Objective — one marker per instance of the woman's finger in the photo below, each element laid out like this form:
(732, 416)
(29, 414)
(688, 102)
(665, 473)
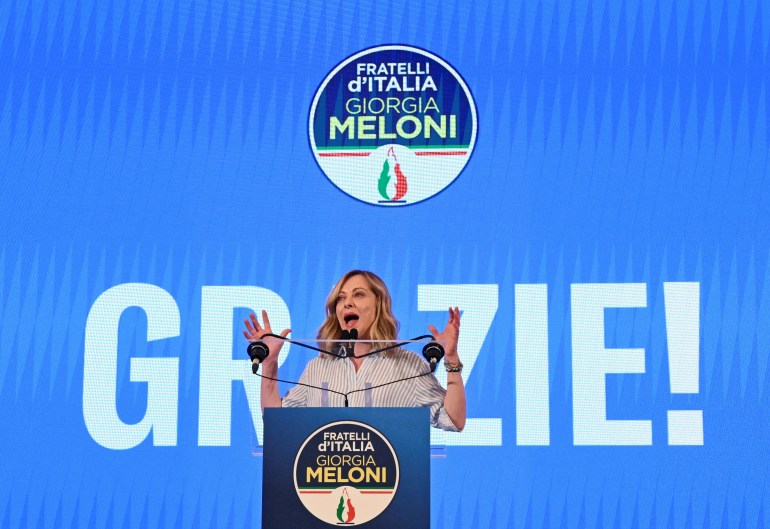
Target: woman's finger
(266, 319)
(254, 321)
(433, 331)
(248, 326)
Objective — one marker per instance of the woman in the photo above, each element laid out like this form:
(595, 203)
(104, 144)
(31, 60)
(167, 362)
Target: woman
(360, 300)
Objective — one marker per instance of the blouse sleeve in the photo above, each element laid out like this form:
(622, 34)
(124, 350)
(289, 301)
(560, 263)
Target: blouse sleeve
(297, 396)
(429, 393)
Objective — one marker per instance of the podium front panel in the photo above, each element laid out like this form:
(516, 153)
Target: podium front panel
(346, 466)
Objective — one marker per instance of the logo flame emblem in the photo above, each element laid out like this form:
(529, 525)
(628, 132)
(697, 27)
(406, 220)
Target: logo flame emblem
(382, 184)
(351, 511)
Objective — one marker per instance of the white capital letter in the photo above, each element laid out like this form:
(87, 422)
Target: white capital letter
(218, 369)
(478, 304)
(591, 361)
(532, 399)
(100, 368)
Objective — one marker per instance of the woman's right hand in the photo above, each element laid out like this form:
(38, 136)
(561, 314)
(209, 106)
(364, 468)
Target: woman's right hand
(254, 332)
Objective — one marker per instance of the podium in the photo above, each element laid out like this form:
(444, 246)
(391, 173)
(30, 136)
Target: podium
(326, 467)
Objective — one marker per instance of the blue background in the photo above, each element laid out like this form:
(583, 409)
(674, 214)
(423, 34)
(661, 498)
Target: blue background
(166, 143)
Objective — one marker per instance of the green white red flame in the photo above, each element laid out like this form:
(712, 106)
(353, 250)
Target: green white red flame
(382, 183)
(351, 511)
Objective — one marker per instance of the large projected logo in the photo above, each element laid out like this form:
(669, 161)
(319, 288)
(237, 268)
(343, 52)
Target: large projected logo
(346, 473)
(393, 125)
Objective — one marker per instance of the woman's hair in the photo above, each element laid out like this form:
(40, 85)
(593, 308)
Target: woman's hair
(385, 326)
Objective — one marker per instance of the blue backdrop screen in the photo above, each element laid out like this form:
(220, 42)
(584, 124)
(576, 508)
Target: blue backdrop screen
(600, 228)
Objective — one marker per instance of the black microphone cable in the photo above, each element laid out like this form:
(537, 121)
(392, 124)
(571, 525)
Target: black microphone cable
(337, 355)
(396, 345)
(301, 344)
(432, 352)
(307, 386)
(259, 351)
(385, 384)
(345, 395)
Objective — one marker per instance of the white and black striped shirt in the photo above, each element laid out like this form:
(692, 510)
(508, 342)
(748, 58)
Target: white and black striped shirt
(339, 374)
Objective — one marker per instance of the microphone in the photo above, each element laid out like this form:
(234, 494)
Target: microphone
(351, 344)
(257, 351)
(433, 352)
(339, 349)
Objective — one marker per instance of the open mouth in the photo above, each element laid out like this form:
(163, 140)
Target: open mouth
(351, 319)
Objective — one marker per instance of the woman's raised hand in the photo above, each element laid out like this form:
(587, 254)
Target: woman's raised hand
(255, 332)
(449, 335)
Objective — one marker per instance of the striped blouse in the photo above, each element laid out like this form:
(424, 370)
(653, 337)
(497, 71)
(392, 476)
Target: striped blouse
(339, 374)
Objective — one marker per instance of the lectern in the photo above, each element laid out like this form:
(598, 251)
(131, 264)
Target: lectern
(346, 466)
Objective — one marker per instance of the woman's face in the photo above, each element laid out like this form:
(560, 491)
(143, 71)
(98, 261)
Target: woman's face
(356, 306)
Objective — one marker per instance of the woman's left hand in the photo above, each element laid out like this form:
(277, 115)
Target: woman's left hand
(449, 336)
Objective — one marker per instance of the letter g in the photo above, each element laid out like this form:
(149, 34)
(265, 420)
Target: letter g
(100, 368)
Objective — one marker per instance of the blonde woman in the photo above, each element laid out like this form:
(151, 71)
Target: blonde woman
(360, 300)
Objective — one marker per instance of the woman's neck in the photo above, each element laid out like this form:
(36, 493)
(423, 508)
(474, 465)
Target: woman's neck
(362, 348)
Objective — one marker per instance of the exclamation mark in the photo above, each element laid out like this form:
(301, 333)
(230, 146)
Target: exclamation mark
(682, 301)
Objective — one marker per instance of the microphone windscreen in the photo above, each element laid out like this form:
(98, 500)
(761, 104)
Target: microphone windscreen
(345, 335)
(258, 351)
(353, 334)
(433, 352)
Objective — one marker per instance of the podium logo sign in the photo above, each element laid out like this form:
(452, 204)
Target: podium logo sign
(393, 125)
(346, 473)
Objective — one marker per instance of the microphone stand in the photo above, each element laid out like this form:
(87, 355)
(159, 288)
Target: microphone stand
(345, 395)
(306, 346)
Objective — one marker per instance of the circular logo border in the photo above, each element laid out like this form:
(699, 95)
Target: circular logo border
(357, 423)
(405, 47)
